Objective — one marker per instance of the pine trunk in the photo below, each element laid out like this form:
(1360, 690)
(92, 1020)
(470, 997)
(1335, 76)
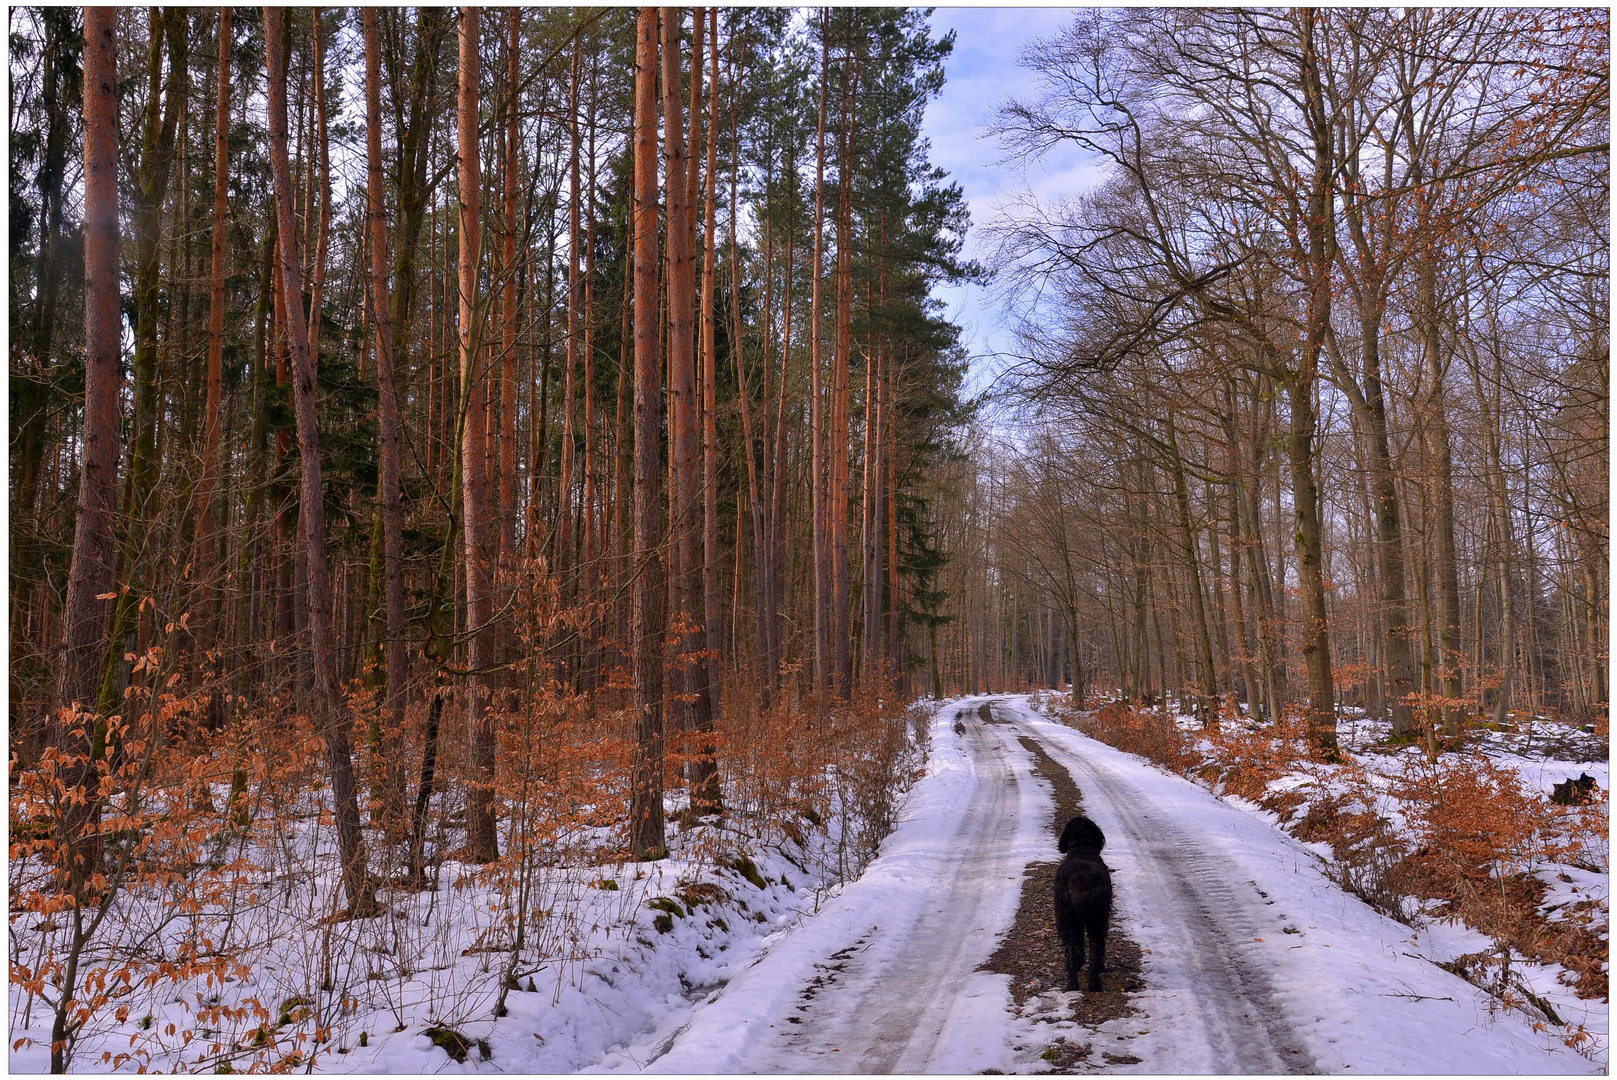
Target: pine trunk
(206, 538)
(646, 834)
(91, 575)
(819, 474)
(508, 299)
(482, 844)
(563, 560)
(390, 424)
(690, 673)
(705, 790)
(841, 629)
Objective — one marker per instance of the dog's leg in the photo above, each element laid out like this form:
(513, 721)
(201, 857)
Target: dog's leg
(1075, 957)
(1097, 954)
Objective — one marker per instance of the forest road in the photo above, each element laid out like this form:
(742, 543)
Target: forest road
(898, 990)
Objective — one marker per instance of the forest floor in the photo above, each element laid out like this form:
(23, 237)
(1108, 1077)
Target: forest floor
(1234, 950)
(612, 950)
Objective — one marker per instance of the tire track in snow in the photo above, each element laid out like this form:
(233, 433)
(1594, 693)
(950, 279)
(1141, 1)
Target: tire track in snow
(1192, 918)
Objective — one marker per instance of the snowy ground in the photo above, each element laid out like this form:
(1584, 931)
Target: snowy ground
(625, 962)
(1314, 967)
(1255, 961)
(883, 978)
(1567, 855)
(622, 948)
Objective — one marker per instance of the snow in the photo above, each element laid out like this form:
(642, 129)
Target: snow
(1354, 990)
(611, 973)
(1255, 959)
(627, 975)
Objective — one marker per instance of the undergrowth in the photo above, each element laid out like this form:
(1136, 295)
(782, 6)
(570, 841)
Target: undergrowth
(214, 933)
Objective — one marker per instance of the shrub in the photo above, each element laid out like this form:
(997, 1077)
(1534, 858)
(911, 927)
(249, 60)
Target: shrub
(1148, 733)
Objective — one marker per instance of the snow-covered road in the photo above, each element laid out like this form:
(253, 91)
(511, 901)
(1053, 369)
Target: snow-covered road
(1254, 961)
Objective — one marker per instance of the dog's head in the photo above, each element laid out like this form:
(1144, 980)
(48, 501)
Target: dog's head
(1081, 834)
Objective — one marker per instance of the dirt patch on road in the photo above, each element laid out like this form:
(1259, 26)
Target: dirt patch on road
(1031, 953)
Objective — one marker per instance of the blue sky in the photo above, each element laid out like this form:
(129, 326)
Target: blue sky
(983, 73)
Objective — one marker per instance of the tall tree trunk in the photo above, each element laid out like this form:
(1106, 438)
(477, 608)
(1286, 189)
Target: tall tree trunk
(415, 122)
(563, 560)
(1220, 613)
(541, 434)
(841, 400)
(1249, 509)
(1370, 407)
(482, 844)
(895, 604)
(397, 658)
(768, 643)
(622, 466)
(775, 602)
(1314, 631)
(1207, 692)
(1440, 453)
(91, 575)
(1139, 681)
(684, 407)
(312, 515)
(255, 552)
(819, 473)
(592, 576)
(206, 540)
(322, 167)
(1243, 642)
(705, 789)
(646, 836)
(508, 300)
(164, 106)
(869, 521)
(319, 186)
(1499, 495)
(1394, 591)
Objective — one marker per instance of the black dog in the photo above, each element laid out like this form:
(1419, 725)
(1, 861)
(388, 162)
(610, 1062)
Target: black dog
(1579, 792)
(1083, 898)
